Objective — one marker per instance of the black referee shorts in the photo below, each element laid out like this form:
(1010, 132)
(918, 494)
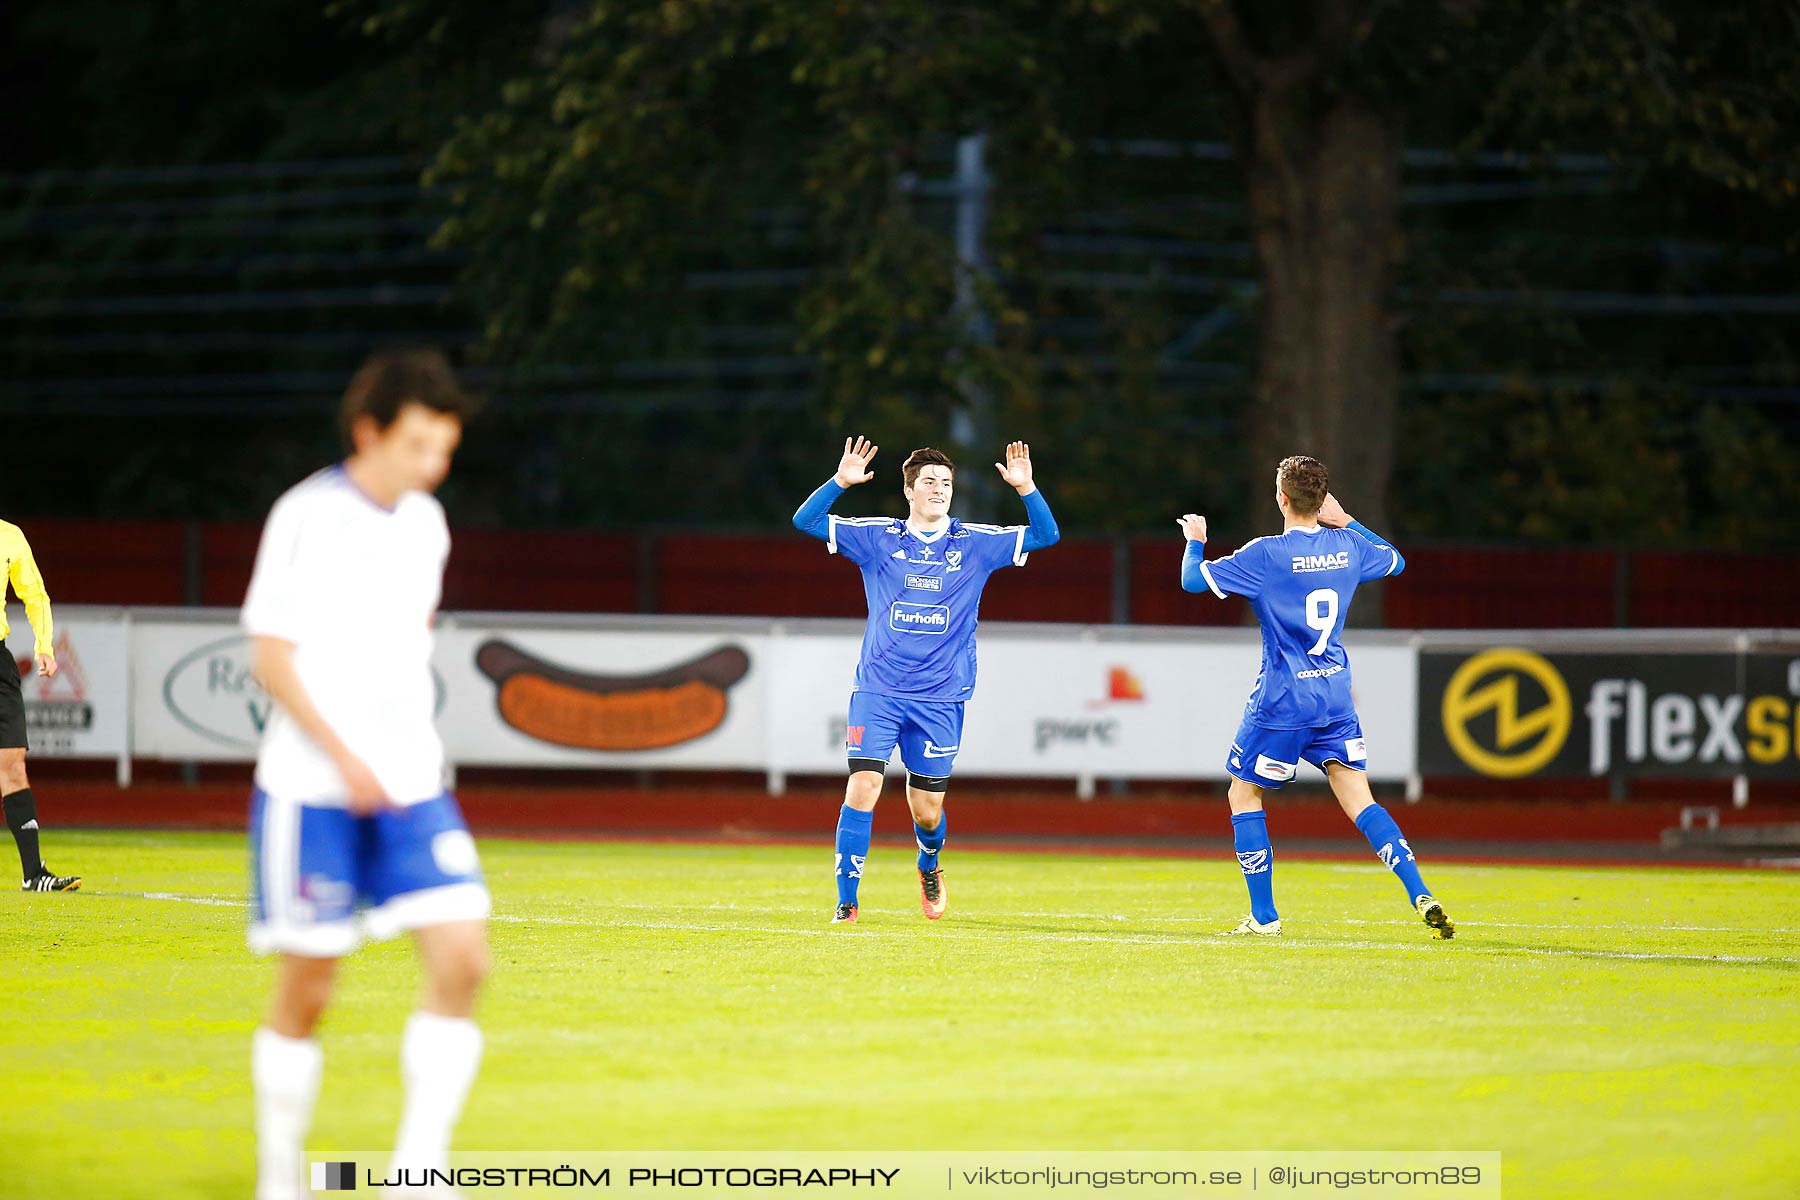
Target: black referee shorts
(12, 706)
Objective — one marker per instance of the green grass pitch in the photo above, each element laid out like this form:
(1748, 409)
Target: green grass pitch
(1613, 1032)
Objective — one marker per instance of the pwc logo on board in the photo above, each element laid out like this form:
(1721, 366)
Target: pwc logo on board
(1122, 686)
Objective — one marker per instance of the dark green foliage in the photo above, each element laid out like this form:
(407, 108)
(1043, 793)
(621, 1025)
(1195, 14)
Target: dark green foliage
(699, 241)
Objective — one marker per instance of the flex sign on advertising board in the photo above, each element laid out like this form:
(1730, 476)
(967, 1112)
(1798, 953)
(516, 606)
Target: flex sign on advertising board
(1508, 712)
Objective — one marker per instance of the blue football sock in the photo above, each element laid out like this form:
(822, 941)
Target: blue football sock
(1391, 848)
(852, 850)
(931, 841)
(1250, 832)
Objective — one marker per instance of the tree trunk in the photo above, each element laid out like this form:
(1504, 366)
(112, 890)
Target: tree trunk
(1324, 194)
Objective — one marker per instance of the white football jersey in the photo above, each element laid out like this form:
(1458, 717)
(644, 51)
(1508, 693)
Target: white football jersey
(355, 587)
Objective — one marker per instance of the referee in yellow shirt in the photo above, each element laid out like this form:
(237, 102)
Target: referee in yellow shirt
(15, 789)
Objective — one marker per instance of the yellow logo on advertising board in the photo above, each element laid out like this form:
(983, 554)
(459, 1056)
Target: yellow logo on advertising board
(1523, 742)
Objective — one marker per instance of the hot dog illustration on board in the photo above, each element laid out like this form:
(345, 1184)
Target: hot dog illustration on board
(588, 711)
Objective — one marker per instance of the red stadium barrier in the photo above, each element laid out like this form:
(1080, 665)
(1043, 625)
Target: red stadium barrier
(1723, 591)
(754, 576)
(500, 570)
(227, 555)
(111, 562)
(1156, 595)
(1491, 588)
(1445, 587)
(1071, 582)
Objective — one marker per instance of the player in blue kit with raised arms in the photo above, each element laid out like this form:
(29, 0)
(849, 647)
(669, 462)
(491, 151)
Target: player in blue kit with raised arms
(1300, 584)
(923, 577)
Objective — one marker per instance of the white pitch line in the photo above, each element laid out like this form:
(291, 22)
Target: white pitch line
(215, 901)
(1045, 936)
(1587, 870)
(227, 902)
(1396, 923)
(1128, 939)
(1590, 925)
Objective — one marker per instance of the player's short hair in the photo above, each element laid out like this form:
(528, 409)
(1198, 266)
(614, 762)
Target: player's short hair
(391, 379)
(921, 458)
(1305, 482)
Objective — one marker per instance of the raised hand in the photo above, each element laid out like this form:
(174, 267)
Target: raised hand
(853, 468)
(1332, 514)
(1016, 470)
(1193, 527)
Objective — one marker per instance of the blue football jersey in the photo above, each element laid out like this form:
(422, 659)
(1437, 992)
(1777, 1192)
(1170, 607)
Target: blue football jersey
(1300, 583)
(924, 600)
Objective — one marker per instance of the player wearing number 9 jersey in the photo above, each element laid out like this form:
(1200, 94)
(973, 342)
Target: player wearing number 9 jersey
(1300, 584)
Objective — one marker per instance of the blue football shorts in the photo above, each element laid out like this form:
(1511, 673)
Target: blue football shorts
(1271, 758)
(321, 879)
(928, 732)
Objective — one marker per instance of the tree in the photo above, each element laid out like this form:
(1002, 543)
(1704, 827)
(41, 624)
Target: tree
(579, 191)
(1326, 91)
(1321, 163)
(723, 222)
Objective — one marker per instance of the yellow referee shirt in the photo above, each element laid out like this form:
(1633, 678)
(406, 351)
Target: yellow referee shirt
(27, 585)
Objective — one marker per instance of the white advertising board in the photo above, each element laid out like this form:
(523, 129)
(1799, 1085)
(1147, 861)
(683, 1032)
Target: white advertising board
(1051, 701)
(1070, 701)
(518, 694)
(82, 711)
(193, 697)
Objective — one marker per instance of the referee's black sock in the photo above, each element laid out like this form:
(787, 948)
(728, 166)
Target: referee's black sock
(21, 818)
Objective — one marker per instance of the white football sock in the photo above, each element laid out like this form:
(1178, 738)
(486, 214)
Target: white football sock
(438, 1060)
(285, 1074)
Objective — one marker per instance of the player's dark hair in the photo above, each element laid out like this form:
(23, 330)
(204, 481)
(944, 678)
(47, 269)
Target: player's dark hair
(391, 379)
(1305, 482)
(921, 458)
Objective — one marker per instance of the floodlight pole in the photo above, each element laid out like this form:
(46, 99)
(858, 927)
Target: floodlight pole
(972, 423)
